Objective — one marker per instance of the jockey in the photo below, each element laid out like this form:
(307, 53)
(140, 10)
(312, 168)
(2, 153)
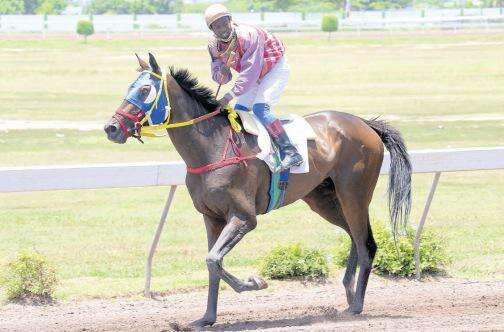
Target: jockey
(259, 58)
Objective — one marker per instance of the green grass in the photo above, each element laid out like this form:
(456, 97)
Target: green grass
(445, 74)
(98, 239)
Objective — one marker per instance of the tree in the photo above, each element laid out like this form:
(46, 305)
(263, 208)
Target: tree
(283, 5)
(329, 24)
(11, 7)
(30, 6)
(85, 28)
(135, 6)
(52, 7)
(110, 6)
(143, 6)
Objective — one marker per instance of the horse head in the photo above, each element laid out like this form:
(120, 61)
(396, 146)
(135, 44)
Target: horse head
(145, 104)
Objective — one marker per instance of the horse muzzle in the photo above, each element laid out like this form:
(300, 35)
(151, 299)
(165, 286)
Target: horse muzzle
(114, 133)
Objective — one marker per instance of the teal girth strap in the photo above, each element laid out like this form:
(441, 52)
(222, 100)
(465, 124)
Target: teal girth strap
(278, 185)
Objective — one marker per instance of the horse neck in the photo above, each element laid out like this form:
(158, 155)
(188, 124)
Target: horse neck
(201, 143)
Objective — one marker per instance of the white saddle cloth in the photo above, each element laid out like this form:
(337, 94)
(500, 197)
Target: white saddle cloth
(297, 128)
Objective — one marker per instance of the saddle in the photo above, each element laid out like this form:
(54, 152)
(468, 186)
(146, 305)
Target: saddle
(299, 131)
(251, 125)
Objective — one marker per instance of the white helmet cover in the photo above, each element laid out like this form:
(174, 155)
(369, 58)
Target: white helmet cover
(214, 12)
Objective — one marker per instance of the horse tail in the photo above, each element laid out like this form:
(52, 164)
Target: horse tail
(399, 188)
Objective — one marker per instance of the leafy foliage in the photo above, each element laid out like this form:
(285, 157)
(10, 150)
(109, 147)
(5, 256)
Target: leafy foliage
(329, 23)
(400, 262)
(135, 6)
(30, 6)
(294, 261)
(85, 28)
(52, 7)
(30, 277)
(11, 7)
(178, 6)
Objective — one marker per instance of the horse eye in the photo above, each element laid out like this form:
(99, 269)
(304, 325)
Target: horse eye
(144, 90)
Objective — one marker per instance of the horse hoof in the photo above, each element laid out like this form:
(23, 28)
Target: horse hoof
(203, 322)
(353, 310)
(260, 283)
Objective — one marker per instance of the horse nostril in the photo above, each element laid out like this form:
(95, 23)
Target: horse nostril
(109, 129)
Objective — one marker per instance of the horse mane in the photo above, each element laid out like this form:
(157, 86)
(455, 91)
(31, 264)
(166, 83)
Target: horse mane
(202, 94)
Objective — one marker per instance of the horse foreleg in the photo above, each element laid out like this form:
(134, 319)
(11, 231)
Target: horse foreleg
(214, 228)
(233, 232)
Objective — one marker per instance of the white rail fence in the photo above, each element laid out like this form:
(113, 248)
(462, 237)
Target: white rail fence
(41, 178)
(283, 21)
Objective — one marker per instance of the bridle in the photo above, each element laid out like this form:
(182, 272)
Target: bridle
(140, 119)
(136, 119)
(145, 115)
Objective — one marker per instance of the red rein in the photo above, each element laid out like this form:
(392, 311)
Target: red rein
(238, 158)
(135, 118)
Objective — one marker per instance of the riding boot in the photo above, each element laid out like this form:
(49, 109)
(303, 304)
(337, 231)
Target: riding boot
(288, 152)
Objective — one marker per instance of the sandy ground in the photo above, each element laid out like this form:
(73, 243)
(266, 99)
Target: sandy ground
(443, 304)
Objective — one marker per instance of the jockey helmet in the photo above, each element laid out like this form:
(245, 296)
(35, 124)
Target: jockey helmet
(214, 12)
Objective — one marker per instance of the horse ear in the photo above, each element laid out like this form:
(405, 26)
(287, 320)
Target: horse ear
(154, 65)
(143, 65)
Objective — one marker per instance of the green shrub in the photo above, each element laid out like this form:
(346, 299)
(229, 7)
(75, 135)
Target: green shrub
(341, 250)
(400, 261)
(85, 28)
(330, 23)
(294, 261)
(30, 277)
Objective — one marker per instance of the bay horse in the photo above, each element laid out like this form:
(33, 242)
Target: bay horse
(344, 164)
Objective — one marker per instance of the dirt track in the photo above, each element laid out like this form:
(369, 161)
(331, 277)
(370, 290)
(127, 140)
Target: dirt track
(406, 305)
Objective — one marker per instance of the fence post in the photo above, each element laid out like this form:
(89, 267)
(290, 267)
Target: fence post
(46, 26)
(159, 230)
(135, 24)
(422, 222)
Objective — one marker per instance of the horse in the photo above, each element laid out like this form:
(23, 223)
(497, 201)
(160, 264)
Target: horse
(231, 187)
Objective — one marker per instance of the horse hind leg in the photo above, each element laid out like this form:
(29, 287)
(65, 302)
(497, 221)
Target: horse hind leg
(323, 201)
(355, 209)
(349, 278)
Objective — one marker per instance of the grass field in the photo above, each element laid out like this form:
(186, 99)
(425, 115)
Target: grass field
(440, 89)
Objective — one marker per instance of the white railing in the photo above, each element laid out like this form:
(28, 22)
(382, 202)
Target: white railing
(280, 21)
(23, 179)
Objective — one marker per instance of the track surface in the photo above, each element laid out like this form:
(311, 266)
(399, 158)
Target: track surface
(390, 304)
